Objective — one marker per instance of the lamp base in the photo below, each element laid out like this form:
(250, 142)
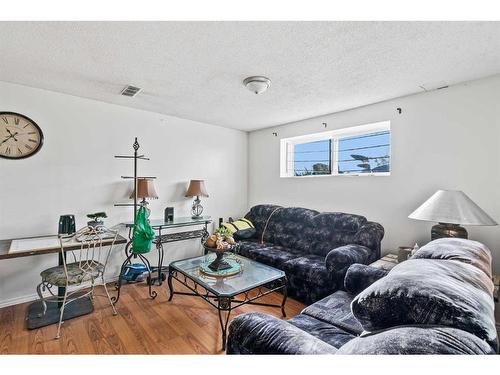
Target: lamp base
(197, 209)
(445, 230)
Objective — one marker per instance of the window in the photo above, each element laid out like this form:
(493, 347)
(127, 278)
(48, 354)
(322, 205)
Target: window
(359, 150)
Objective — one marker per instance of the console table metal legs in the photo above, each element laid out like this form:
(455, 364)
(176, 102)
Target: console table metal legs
(145, 261)
(225, 304)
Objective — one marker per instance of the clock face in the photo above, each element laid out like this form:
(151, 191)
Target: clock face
(20, 137)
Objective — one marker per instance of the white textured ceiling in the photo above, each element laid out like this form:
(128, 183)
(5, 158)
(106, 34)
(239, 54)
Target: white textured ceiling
(194, 70)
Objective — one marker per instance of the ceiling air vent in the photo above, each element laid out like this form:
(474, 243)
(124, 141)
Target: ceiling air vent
(131, 91)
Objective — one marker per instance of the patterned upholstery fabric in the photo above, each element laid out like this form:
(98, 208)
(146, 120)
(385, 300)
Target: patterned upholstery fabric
(314, 249)
(311, 268)
(440, 304)
(56, 275)
(326, 332)
(340, 259)
(336, 310)
(418, 340)
(459, 249)
(275, 256)
(360, 276)
(440, 292)
(258, 333)
(307, 292)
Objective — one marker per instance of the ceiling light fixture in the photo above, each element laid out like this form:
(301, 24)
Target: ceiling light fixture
(257, 84)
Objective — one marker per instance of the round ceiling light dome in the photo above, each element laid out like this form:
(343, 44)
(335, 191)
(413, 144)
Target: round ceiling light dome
(257, 84)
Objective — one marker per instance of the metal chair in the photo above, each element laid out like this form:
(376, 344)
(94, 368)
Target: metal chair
(88, 266)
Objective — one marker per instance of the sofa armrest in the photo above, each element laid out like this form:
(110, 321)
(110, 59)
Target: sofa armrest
(370, 235)
(258, 333)
(359, 277)
(341, 258)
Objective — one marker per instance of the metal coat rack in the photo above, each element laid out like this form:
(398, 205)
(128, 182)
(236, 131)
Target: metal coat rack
(129, 254)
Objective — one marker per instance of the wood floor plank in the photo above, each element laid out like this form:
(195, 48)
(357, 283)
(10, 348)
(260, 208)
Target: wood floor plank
(186, 325)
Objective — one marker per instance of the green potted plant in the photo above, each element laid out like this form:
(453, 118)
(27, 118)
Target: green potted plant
(96, 216)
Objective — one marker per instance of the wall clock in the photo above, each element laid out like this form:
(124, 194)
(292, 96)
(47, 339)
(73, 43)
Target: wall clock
(20, 136)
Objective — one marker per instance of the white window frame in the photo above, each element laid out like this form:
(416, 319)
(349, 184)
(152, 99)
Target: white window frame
(287, 145)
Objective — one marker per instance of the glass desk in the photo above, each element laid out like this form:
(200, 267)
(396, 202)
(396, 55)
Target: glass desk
(221, 292)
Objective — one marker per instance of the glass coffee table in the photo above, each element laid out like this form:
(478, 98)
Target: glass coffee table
(254, 281)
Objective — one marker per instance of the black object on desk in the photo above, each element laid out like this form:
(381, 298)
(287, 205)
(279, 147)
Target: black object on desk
(77, 308)
(161, 238)
(67, 224)
(169, 214)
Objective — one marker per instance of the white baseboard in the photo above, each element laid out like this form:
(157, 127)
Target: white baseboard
(32, 297)
(18, 300)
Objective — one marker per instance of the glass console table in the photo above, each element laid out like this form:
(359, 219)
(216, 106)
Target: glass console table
(162, 237)
(221, 292)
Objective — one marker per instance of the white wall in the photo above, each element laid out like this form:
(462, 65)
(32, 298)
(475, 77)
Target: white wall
(75, 173)
(446, 139)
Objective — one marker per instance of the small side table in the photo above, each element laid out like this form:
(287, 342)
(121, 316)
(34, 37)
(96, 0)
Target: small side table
(387, 262)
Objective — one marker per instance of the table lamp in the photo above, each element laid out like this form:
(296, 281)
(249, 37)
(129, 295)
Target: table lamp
(450, 208)
(196, 189)
(145, 190)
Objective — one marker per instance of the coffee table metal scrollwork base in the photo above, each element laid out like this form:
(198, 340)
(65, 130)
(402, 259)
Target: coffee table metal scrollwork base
(223, 301)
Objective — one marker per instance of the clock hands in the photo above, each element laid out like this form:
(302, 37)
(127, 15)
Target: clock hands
(9, 137)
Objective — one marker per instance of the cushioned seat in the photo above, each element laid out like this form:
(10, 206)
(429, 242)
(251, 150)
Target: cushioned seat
(311, 268)
(56, 275)
(245, 247)
(326, 332)
(275, 256)
(336, 309)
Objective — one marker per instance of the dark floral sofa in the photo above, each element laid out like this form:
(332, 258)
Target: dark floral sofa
(314, 249)
(438, 302)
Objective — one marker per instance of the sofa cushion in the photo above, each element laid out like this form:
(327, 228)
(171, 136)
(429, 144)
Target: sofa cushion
(334, 229)
(311, 268)
(324, 331)
(292, 227)
(247, 246)
(336, 309)
(417, 340)
(426, 291)
(459, 249)
(258, 215)
(271, 255)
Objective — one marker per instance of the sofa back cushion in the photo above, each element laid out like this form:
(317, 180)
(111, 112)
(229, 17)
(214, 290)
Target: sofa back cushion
(334, 229)
(458, 249)
(292, 228)
(259, 215)
(311, 231)
(430, 292)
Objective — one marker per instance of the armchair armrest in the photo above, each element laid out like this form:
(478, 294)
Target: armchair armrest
(258, 333)
(341, 258)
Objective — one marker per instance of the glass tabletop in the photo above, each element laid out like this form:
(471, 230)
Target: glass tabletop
(252, 275)
(177, 222)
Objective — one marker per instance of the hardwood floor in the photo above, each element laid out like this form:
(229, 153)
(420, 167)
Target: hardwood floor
(186, 325)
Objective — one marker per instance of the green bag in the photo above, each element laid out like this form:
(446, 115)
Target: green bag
(143, 233)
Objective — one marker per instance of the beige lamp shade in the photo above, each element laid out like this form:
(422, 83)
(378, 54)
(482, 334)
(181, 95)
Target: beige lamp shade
(454, 207)
(145, 189)
(197, 189)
